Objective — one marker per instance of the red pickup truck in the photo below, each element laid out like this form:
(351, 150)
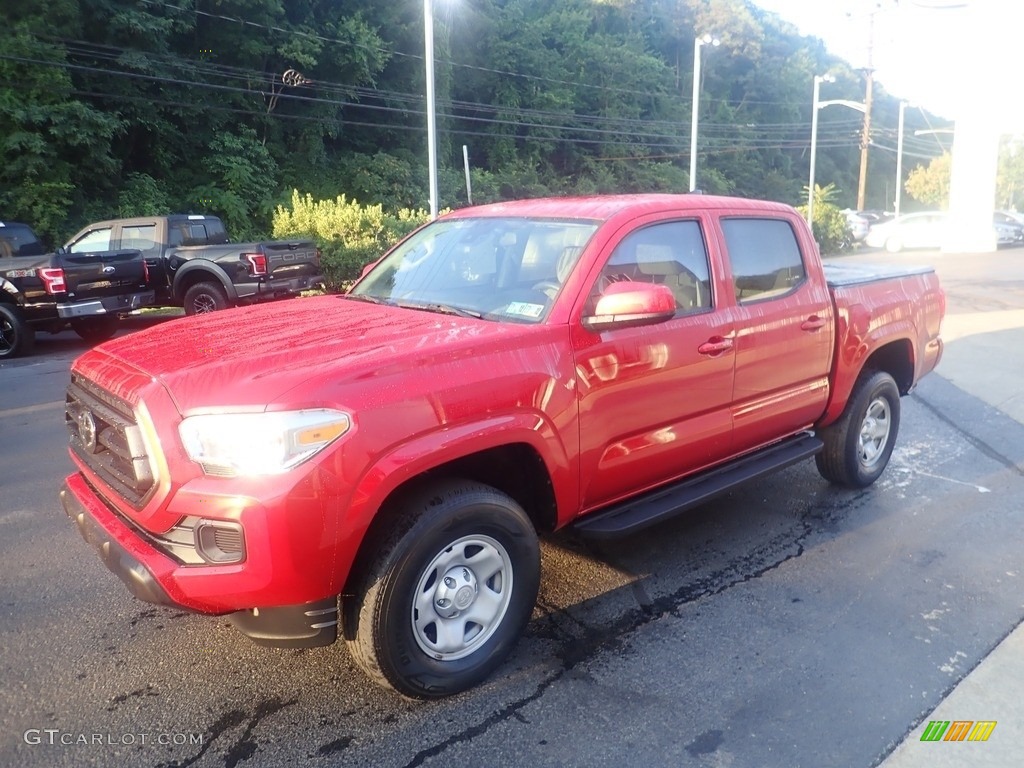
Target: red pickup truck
(385, 460)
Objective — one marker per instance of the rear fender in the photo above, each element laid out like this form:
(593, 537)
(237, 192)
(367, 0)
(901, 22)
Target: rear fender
(856, 342)
(187, 275)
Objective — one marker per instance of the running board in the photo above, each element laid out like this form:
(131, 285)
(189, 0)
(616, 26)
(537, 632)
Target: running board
(665, 502)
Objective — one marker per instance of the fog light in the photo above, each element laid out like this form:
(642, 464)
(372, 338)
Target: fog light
(220, 542)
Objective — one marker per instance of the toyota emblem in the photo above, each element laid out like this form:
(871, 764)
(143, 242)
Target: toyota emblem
(87, 431)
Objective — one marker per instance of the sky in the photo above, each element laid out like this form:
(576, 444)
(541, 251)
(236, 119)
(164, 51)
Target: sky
(948, 56)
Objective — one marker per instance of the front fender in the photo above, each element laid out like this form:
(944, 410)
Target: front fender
(428, 451)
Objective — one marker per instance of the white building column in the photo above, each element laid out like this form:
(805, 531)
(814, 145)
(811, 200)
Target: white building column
(973, 183)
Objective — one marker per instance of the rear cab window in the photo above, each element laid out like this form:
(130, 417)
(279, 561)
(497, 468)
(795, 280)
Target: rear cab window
(765, 258)
(197, 231)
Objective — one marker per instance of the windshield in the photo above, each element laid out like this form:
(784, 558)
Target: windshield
(497, 268)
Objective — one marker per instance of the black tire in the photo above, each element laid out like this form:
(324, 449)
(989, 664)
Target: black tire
(95, 329)
(859, 444)
(204, 297)
(16, 336)
(454, 547)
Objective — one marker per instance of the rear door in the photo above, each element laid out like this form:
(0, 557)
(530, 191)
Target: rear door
(93, 270)
(145, 236)
(784, 329)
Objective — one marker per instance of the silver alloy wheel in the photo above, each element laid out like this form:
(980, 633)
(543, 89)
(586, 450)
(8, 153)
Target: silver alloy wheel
(874, 432)
(461, 597)
(8, 336)
(203, 304)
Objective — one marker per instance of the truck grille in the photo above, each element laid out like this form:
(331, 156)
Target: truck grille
(105, 437)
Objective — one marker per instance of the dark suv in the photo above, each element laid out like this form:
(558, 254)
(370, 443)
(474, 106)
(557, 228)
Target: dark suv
(19, 240)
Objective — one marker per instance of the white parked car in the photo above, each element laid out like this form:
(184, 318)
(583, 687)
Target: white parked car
(914, 230)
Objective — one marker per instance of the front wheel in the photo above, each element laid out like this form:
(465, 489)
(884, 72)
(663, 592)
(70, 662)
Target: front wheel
(16, 336)
(448, 593)
(859, 444)
(95, 329)
(894, 245)
(204, 297)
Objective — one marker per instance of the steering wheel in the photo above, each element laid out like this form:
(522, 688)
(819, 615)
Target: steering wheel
(549, 288)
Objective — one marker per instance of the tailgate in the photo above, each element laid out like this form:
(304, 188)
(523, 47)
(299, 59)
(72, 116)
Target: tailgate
(108, 273)
(295, 259)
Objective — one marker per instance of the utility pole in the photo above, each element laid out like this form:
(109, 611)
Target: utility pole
(865, 138)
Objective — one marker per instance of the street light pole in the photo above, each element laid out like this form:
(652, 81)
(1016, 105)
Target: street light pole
(815, 106)
(899, 160)
(705, 40)
(428, 38)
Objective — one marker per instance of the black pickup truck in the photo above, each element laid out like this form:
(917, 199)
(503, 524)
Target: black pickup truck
(41, 291)
(193, 264)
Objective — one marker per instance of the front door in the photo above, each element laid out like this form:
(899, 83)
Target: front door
(654, 400)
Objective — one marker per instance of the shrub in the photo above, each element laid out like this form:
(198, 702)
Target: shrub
(830, 227)
(350, 235)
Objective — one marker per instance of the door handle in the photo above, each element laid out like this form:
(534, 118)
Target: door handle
(716, 345)
(812, 323)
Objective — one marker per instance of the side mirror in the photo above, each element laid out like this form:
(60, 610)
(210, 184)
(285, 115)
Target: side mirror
(61, 250)
(367, 268)
(629, 304)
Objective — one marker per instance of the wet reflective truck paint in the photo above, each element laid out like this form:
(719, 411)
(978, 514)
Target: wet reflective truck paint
(476, 406)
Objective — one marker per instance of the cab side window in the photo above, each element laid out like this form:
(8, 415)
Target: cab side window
(141, 237)
(672, 254)
(765, 258)
(93, 241)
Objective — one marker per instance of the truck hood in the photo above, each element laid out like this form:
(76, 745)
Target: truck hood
(250, 356)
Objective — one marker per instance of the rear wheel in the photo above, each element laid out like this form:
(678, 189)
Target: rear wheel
(894, 245)
(16, 336)
(204, 297)
(858, 446)
(95, 329)
(448, 592)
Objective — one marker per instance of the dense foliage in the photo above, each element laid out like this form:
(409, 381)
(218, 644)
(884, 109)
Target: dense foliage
(226, 106)
(350, 235)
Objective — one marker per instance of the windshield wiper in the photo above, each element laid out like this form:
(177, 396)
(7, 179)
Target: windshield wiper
(444, 309)
(364, 297)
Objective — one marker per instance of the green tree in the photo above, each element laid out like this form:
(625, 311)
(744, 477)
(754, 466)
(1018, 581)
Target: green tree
(929, 184)
(1010, 178)
(52, 143)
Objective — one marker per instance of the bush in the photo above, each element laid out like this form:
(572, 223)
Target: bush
(830, 227)
(350, 235)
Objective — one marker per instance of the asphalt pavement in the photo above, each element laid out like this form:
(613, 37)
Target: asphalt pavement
(788, 623)
(981, 722)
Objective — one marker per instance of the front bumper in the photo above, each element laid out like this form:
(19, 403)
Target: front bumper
(106, 305)
(157, 578)
(116, 545)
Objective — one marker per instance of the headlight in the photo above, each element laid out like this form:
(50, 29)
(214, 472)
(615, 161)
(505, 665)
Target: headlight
(260, 443)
